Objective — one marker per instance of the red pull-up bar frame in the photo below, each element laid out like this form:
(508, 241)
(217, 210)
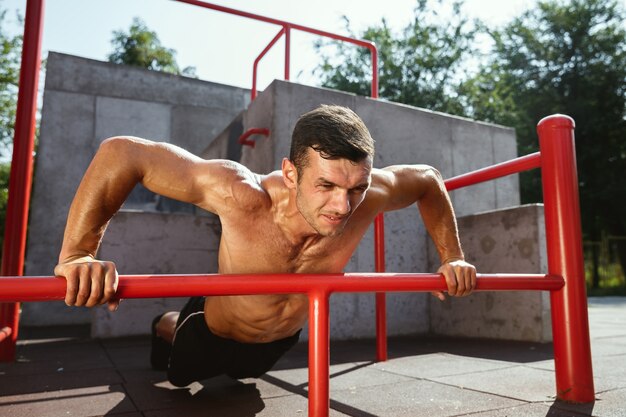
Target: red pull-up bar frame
(286, 28)
(572, 353)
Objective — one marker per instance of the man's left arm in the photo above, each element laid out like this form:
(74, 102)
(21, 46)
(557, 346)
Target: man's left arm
(422, 184)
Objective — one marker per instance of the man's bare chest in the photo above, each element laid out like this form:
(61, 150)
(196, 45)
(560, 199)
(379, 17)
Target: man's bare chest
(261, 246)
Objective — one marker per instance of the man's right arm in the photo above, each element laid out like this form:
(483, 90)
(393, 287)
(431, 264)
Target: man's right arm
(119, 165)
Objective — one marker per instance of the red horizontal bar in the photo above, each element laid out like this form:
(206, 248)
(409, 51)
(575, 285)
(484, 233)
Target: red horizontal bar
(283, 23)
(5, 332)
(523, 163)
(154, 286)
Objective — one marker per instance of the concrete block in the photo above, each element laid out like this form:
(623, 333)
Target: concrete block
(193, 127)
(260, 114)
(76, 74)
(63, 155)
(501, 241)
(504, 149)
(86, 101)
(154, 243)
(124, 117)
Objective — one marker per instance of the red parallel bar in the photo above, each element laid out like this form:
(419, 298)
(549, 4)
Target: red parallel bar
(365, 44)
(381, 299)
(156, 286)
(570, 323)
(523, 163)
(21, 168)
(319, 354)
(258, 59)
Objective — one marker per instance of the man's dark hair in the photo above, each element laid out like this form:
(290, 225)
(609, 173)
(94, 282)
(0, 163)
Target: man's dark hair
(333, 131)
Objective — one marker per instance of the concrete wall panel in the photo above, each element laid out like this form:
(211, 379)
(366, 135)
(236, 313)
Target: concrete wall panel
(154, 243)
(503, 241)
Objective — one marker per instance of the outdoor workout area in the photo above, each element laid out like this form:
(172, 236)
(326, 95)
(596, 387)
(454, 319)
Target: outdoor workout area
(259, 135)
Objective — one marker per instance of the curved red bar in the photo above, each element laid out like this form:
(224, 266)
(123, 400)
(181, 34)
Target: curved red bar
(243, 139)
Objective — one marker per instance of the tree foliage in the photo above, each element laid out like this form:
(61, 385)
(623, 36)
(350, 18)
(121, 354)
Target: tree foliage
(561, 56)
(141, 47)
(565, 57)
(10, 57)
(421, 66)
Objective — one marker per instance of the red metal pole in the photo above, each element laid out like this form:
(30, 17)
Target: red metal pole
(523, 163)
(258, 59)
(570, 323)
(381, 299)
(151, 286)
(21, 168)
(319, 354)
(374, 52)
(287, 50)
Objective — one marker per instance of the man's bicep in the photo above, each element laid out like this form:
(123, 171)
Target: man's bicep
(405, 184)
(175, 173)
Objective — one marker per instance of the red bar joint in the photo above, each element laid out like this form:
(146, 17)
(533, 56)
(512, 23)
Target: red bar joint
(243, 139)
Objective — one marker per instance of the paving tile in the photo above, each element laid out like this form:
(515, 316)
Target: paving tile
(38, 358)
(290, 406)
(91, 401)
(58, 381)
(520, 382)
(416, 398)
(438, 365)
(130, 357)
(526, 410)
(157, 393)
(342, 376)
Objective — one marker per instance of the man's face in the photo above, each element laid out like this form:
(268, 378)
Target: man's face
(329, 190)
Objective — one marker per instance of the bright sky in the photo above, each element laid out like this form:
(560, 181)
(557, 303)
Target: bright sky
(223, 47)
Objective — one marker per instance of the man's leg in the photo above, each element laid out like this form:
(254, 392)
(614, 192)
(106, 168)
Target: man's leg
(166, 326)
(163, 330)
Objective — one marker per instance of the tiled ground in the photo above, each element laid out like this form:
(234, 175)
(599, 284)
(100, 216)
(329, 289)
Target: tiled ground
(61, 372)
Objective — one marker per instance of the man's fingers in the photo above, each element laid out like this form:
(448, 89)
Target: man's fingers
(71, 278)
(439, 294)
(84, 285)
(460, 280)
(96, 270)
(110, 284)
(448, 273)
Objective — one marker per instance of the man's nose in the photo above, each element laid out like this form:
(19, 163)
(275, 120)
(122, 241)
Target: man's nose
(340, 203)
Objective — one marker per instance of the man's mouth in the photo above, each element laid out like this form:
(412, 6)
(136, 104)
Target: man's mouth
(334, 219)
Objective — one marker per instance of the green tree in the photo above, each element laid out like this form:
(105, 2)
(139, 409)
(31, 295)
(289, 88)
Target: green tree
(10, 57)
(565, 57)
(141, 47)
(421, 66)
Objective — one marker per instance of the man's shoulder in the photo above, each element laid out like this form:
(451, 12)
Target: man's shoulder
(252, 192)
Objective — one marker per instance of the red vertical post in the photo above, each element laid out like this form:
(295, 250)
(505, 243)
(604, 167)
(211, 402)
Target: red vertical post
(381, 300)
(287, 29)
(374, 52)
(21, 169)
(570, 323)
(319, 357)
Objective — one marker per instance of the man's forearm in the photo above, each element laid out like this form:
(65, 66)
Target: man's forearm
(103, 189)
(438, 216)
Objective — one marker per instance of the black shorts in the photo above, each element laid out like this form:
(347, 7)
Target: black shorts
(198, 354)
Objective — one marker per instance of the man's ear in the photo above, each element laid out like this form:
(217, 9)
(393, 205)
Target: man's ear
(290, 174)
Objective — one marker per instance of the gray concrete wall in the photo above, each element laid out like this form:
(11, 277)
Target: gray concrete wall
(503, 241)
(144, 243)
(403, 135)
(86, 101)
